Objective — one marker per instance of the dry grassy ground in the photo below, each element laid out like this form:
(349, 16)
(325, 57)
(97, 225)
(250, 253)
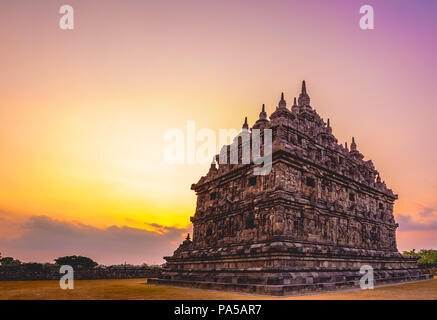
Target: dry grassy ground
(137, 289)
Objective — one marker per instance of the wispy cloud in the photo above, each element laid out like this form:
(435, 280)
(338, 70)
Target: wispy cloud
(428, 212)
(425, 220)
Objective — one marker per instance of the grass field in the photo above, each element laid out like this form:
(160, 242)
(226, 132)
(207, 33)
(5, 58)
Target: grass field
(138, 289)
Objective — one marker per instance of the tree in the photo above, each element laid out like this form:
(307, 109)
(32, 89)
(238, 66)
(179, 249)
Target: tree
(76, 262)
(411, 253)
(426, 257)
(9, 261)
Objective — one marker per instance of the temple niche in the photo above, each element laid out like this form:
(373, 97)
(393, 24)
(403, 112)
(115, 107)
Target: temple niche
(308, 225)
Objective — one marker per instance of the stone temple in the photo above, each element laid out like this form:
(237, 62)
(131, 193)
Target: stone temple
(309, 225)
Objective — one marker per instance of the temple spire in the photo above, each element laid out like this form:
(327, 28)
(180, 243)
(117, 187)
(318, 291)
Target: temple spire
(263, 114)
(262, 120)
(282, 103)
(328, 126)
(245, 125)
(304, 99)
(353, 144)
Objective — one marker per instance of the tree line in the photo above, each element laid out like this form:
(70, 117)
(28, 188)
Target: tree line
(77, 262)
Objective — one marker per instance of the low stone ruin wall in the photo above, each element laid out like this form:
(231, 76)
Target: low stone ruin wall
(430, 269)
(35, 271)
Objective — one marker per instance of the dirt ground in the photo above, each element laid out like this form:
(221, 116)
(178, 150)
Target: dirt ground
(137, 289)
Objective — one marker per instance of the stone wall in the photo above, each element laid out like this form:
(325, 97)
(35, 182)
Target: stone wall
(36, 271)
(284, 203)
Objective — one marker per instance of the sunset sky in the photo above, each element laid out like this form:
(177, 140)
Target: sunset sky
(83, 112)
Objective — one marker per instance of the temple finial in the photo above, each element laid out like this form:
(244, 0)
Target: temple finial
(245, 125)
(329, 124)
(263, 114)
(304, 99)
(262, 120)
(345, 145)
(353, 144)
(188, 236)
(294, 102)
(304, 87)
(282, 102)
